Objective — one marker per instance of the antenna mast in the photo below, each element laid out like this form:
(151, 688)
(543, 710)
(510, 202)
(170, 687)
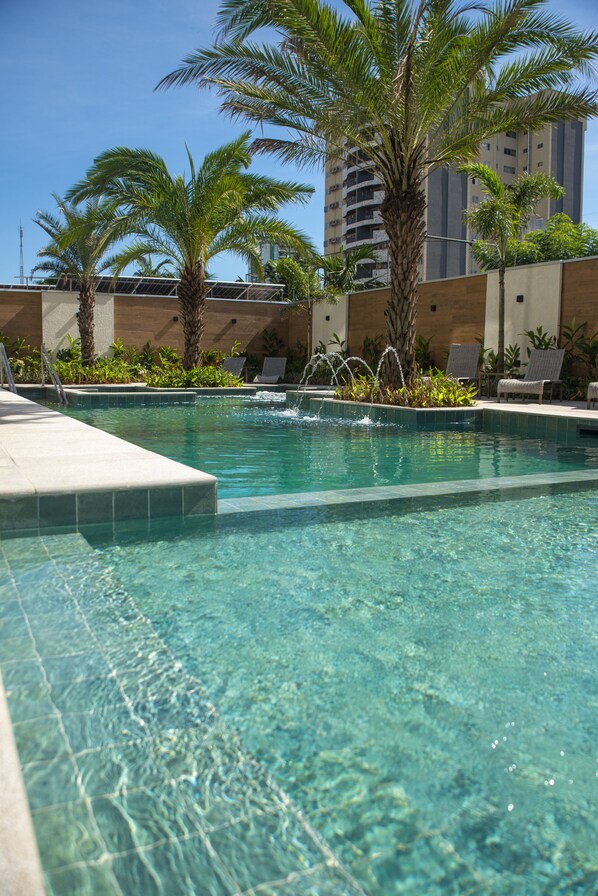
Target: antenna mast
(22, 268)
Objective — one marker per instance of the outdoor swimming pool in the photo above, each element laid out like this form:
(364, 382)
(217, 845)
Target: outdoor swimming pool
(259, 446)
(343, 701)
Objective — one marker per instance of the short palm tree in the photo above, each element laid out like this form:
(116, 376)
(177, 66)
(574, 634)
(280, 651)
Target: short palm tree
(500, 220)
(81, 238)
(340, 269)
(219, 207)
(412, 85)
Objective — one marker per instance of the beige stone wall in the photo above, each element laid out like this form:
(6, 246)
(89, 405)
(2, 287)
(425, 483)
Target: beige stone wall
(59, 320)
(540, 286)
(338, 313)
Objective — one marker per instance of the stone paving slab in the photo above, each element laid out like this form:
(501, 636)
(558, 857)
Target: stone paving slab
(91, 475)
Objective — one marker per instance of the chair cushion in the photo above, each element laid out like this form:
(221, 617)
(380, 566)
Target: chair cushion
(523, 387)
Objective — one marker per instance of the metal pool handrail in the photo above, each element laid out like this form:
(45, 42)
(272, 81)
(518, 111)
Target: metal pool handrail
(5, 370)
(48, 367)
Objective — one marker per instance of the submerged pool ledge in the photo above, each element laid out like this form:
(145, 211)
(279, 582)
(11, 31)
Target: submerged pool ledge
(418, 495)
(57, 471)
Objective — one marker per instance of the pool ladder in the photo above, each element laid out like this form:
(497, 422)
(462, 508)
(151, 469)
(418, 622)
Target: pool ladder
(5, 371)
(49, 369)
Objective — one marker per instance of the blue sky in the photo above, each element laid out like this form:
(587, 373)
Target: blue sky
(77, 78)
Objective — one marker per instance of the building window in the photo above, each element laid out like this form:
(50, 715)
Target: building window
(475, 200)
(485, 146)
(511, 134)
(508, 169)
(510, 152)
(540, 164)
(524, 168)
(525, 149)
(540, 145)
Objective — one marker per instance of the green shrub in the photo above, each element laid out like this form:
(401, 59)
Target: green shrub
(178, 378)
(436, 391)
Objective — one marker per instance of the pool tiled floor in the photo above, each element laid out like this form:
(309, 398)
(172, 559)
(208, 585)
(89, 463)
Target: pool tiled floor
(134, 783)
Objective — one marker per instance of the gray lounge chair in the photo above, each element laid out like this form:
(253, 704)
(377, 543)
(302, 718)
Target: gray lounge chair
(592, 394)
(463, 361)
(272, 371)
(234, 365)
(543, 369)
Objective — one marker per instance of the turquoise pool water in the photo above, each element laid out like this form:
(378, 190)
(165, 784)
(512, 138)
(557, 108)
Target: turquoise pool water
(261, 447)
(344, 701)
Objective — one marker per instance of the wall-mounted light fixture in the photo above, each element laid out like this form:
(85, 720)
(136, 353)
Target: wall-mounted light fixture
(520, 299)
(432, 307)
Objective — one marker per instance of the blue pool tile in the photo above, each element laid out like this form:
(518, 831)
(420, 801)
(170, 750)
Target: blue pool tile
(132, 504)
(264, 848)
(12, 649)
(78, 696)
(13, 626)
(84, 880)
(32, 702)
(22, 673)
(95, 507)
(39, 739)
(66, 835)
(110, 725)
(170, 864)
(19, 513)
(57, 510)
(75, 668)
(72, 640)
(51, 783)
(122, 767)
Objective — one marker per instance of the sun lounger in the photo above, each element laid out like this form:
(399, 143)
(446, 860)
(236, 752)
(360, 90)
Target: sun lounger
(543, 369)
(592, 394)
(463, 361)
(234, 365)
(272, 371)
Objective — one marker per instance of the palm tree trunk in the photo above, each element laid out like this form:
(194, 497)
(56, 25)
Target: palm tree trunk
(191, 294)
(85, 322)
(403, 213)
(500, 360)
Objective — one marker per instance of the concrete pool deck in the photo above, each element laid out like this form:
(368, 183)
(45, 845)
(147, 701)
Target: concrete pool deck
(56, 471)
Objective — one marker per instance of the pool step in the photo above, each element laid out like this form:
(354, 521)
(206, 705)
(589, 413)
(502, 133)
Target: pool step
(131, 774)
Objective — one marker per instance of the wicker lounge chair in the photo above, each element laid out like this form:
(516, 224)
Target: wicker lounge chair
(463, 361)
(543, 369)
(592, 394)
(272, 371)
(234, 365)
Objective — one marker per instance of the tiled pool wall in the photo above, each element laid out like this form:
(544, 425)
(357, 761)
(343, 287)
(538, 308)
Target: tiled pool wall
(78, 509)
(570, 429)
(123, 395)
(410, 419)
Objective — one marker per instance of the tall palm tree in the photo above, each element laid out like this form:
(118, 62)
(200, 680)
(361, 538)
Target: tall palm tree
(411, 85)
(219, 207)
(81, 238)
(500, 220)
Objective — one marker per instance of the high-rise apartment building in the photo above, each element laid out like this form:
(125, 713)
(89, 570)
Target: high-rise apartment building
(268, 252)
(353, 198)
